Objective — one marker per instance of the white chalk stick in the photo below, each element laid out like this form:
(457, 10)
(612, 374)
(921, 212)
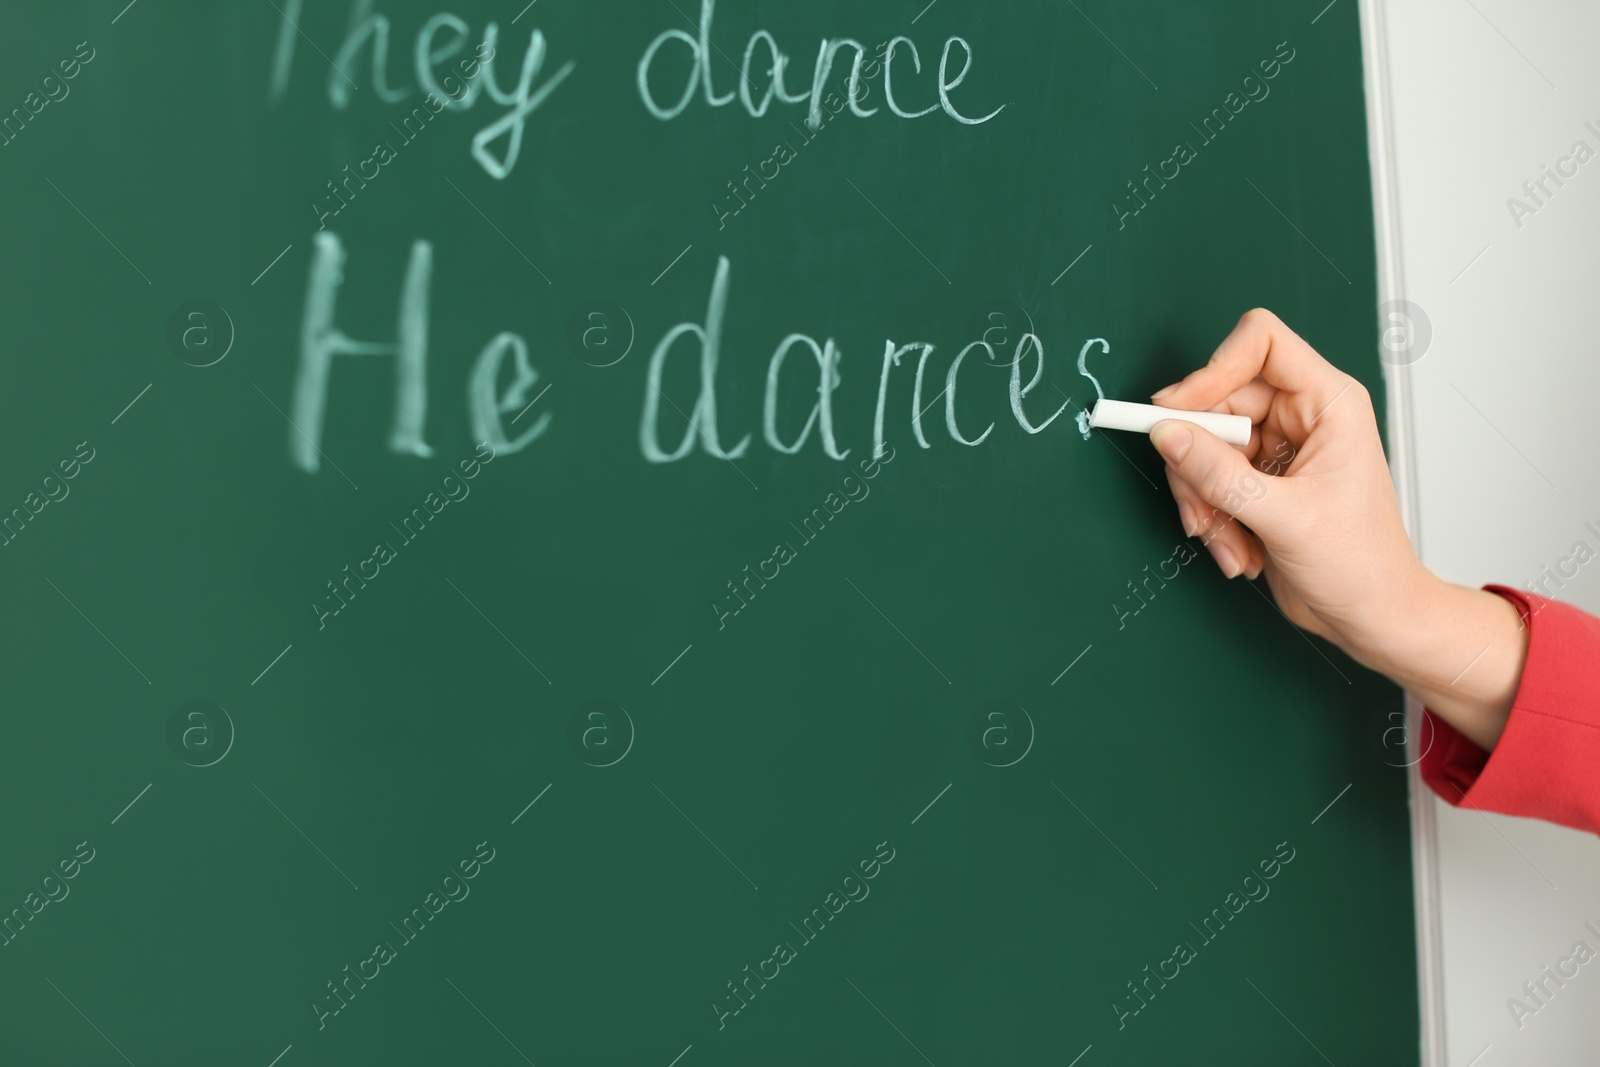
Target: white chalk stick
(1140, 418)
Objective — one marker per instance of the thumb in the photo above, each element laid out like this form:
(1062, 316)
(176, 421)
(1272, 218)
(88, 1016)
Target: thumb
(1219, 473)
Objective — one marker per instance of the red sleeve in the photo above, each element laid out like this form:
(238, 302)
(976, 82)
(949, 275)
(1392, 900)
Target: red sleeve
(1547, 762)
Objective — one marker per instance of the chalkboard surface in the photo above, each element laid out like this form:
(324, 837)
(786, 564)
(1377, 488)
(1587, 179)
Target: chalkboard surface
(525, 541)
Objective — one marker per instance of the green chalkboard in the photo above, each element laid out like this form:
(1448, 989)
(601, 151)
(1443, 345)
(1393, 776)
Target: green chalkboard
(497, 571)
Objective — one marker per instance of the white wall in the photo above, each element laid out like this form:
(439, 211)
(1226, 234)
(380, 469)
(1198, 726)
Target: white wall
(1496, 446)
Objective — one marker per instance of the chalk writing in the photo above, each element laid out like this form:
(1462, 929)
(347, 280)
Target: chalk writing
(507, 356)
(367, 27)
(486, 404)
(1083, 369)
(1018, 390)
(828, 355)
(703, 422)
(827, 380)
(699, 79)
(784, 153)
(321, 341)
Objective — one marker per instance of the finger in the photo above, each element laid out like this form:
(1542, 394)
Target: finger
(1217, 531)
(1235, 549)
(1276, 453)
(1253, 400)
(1191, 509)
(1221, 475)
(1259, 345)
(1258, 556)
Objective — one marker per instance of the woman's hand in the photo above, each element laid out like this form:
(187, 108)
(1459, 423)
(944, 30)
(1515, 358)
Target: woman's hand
(1309, 503)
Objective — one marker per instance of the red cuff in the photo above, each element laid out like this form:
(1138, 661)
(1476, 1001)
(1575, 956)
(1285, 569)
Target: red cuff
(1547, 762)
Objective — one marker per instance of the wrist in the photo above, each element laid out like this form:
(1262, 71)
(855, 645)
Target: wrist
(1400, 626)
(1459, 650)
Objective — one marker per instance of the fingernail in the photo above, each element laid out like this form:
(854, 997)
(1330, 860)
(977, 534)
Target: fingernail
(1172, 439)
(1186, 516)
(1163, 392)
(1225, 560)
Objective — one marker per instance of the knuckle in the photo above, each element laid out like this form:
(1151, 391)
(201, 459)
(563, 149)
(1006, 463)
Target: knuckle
(1214, 526)
(1259, 318)
(1213, 483)
(1356, 396)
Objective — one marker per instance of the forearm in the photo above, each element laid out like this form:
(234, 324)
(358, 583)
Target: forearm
(1460, 651)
